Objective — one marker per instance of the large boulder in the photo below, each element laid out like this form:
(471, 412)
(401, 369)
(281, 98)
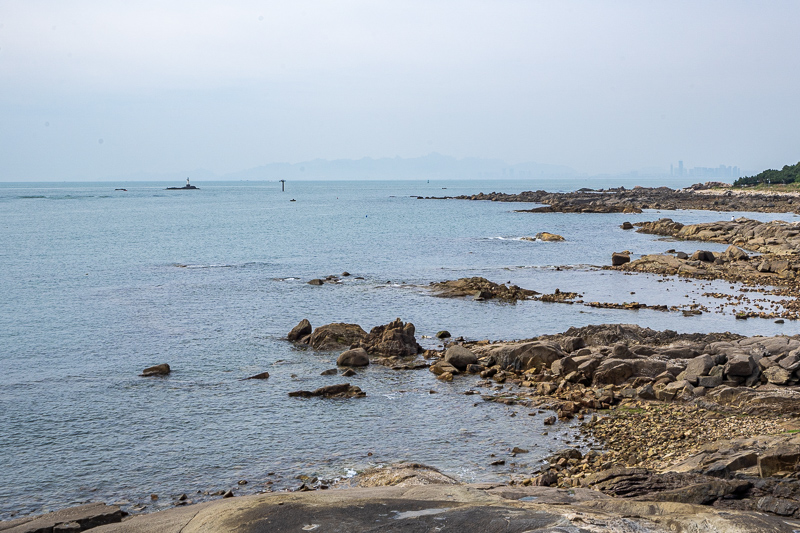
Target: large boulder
(739, 365)
(527, 355)
(699, 366)
(354, 357)
(336, 336)
(734, 253)
(613, 372)
(460, 357)
(395, 339)
(564, 366)
(300, 330)
(618, 259)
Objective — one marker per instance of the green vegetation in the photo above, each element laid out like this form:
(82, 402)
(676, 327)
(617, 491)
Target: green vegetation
(788, 174)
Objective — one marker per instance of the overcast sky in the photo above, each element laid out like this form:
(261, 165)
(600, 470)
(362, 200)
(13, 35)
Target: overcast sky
(92, 89)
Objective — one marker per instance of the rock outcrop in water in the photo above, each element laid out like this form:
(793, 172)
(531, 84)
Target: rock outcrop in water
(344, 390)
(157, 370)
(480, 289)
(329, 337)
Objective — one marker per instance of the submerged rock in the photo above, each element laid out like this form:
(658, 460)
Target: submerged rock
(344, 390)
(263, 375)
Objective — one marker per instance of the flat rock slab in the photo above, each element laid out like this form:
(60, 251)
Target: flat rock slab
(444, 508)
(86, 516)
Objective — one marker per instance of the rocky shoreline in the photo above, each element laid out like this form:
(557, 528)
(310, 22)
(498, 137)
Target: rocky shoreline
(677, 432)
(622, 200)
(695, 426)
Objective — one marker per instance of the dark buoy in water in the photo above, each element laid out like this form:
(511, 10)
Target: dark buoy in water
(292, 200)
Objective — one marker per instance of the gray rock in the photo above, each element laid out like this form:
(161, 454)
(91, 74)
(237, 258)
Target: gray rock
(263, 375)
(699, 366)
(613, 372)
(571, 344)
(709, 382)
(646, 392)
(563, 366)
(739, 364)
(460, 357)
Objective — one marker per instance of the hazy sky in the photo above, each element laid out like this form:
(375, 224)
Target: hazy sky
(91, 89)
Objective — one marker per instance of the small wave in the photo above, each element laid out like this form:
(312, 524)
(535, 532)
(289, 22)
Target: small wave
(523, 238)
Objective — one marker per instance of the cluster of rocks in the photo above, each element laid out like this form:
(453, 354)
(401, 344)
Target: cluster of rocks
(390, 344)
(480, 289)
(622, 200)
(690, 418)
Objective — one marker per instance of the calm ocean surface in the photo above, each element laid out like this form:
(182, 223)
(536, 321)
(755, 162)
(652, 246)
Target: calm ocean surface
(98, 284)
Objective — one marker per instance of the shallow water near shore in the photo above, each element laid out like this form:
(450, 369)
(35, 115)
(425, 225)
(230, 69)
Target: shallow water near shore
(99, 284)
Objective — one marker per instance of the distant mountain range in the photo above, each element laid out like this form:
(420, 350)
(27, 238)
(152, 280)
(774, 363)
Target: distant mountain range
(431, 166)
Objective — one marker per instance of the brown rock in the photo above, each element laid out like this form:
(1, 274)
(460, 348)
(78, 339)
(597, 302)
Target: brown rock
(300, 330)
(618, 259)
(158, 370)
(395, 339)
(336, 336)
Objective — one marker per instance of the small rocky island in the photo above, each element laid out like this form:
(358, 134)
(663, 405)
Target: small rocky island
(187, 187)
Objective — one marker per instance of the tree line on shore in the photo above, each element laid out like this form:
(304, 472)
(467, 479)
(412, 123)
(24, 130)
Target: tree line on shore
(788, 174)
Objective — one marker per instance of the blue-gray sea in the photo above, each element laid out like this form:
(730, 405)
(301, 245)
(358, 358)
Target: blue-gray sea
(98, 284)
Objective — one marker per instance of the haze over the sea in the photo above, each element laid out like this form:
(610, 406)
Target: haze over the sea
(147, 90)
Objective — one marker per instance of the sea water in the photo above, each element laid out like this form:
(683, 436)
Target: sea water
(98, 284)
